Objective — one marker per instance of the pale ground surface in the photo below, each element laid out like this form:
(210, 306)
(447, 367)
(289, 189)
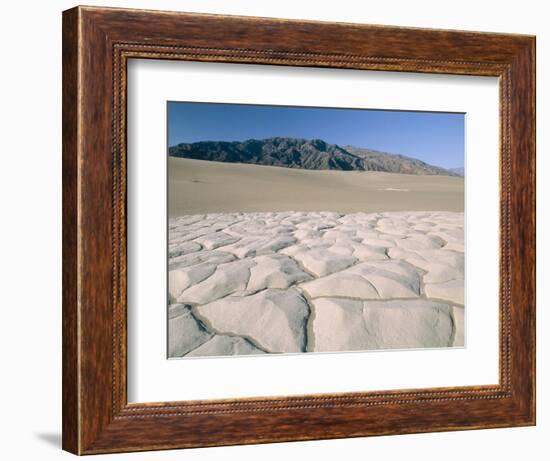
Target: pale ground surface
(289, 282)
(198, 186)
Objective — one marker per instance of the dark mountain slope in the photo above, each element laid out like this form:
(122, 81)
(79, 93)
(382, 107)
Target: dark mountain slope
(307, 154)
(396, 163)
(286, 152)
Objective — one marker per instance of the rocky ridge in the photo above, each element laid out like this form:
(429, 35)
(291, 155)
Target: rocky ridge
(310, 154)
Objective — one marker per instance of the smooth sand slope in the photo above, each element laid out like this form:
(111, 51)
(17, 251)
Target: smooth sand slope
(198, 186)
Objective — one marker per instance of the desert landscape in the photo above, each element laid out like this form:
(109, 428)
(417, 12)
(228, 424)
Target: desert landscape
(288, 282)
(198, 186)
(292, 245)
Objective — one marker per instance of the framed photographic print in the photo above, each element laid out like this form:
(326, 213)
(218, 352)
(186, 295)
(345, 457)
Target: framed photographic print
(284, 230)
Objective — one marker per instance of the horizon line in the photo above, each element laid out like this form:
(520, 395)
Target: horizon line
(342, 146)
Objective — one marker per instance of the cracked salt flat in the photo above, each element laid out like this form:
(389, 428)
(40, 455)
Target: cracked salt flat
(290, 282)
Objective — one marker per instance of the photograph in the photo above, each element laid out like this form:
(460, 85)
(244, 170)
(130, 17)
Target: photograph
(286, 227)
(305, 229)
(313, 229)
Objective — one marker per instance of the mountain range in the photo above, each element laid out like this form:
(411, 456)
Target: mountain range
(310, 154)
(459, 171)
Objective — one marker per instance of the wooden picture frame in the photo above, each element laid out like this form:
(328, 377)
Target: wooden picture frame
(97, 43)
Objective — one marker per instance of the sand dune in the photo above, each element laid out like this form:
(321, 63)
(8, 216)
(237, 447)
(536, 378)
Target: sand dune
(198, 186)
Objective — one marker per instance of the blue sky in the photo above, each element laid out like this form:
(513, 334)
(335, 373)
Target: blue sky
(434, 137)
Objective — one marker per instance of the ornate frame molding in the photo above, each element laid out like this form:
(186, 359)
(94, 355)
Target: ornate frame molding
(97, 43)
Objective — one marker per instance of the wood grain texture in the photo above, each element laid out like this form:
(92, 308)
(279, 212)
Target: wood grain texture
(70, 384)
(97, 43)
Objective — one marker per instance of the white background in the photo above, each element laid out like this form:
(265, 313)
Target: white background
(30, 243)
(153, 378)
